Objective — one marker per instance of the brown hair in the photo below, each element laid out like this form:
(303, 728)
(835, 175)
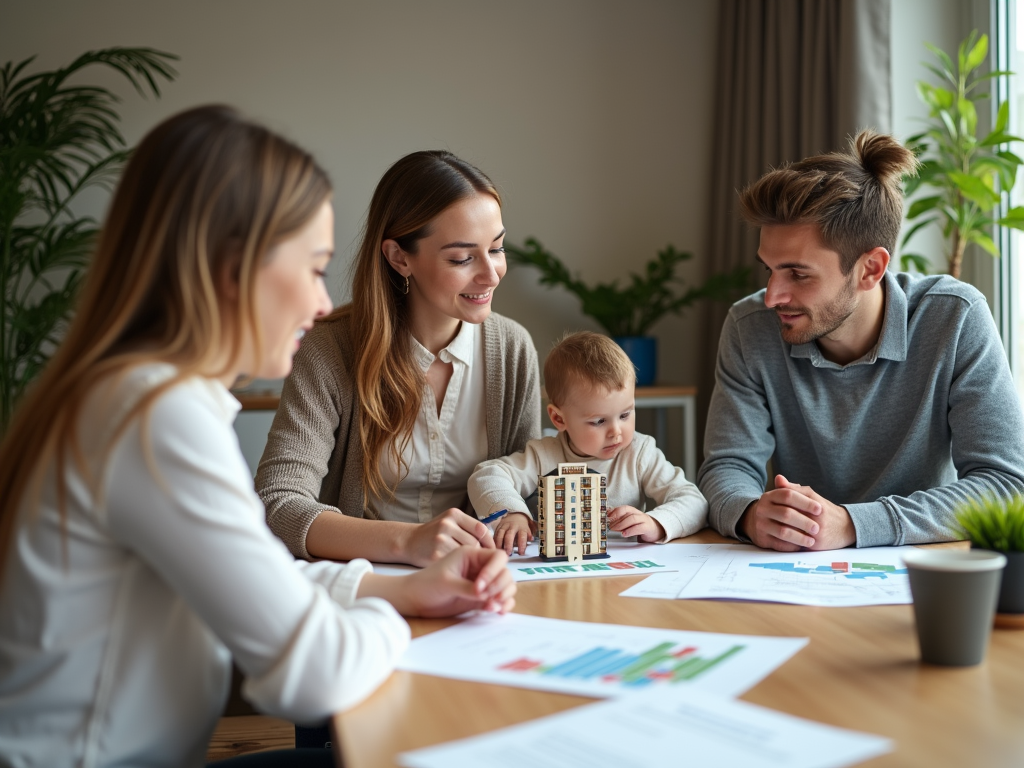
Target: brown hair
(588, 359)
(204, 192)
(411, 194)
(855, 197)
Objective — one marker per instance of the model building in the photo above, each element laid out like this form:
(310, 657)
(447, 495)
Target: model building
(572, 513)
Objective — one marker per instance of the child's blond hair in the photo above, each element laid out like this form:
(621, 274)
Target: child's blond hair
(585, 358)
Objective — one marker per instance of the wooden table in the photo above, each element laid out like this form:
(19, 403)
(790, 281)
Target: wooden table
(262, 400)
(859, 671)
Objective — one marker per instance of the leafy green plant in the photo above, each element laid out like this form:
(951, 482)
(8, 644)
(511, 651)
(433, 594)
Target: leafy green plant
(633, 309)
(971, 175)
(56, 140)
(992, 523)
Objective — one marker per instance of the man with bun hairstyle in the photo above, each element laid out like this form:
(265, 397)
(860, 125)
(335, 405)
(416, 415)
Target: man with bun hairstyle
(884, 400)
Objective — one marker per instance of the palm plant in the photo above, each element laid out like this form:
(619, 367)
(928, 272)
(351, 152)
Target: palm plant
(970, 174)
(56, 140)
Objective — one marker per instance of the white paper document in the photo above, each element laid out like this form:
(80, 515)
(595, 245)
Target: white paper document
(394, 569)
(626, 558)
(843, 577)
(599, 660)
(667, 727)
(664, 586)
(667, 586)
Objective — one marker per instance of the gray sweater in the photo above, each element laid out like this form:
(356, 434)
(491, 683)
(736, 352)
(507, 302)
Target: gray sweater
(925, 420)
(313, 461)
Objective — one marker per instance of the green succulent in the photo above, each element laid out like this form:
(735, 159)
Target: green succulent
(992, 523)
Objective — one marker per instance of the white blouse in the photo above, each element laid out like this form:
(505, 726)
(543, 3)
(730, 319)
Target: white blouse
(444, 448)
(116, 638)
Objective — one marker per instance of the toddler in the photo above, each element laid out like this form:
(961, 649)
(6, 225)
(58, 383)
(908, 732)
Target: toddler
(589, 382)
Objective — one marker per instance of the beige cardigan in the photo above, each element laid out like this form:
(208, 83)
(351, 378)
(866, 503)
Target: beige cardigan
(313, 461)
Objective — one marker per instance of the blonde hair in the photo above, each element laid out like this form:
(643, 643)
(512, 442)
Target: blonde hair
(411, 194)
(585, 359)
(205, 194)
(855, 197)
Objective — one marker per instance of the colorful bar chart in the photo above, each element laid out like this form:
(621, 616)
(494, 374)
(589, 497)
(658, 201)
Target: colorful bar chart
(866, 576)
(666, 662)
(844, 569)
(598, 660)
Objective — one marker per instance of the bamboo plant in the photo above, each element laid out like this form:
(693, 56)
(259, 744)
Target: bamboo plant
(969, 175)
(57, 139)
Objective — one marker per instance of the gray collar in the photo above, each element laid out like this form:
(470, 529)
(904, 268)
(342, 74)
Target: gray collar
(892, 342)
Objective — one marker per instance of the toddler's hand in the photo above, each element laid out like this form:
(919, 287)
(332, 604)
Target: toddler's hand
(512, 531)
(630, 521)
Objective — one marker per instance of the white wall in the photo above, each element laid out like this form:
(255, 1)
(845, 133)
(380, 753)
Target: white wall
(593, 116)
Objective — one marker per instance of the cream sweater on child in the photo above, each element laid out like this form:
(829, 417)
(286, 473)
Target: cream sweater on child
(639, 476)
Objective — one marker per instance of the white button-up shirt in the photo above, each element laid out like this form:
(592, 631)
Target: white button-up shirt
(117, 626)
(444, 448)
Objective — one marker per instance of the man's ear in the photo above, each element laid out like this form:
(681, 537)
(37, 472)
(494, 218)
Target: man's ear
(872, 266)
(397, 258)
(556, 417)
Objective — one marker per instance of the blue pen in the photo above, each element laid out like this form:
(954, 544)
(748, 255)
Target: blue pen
(495, 516)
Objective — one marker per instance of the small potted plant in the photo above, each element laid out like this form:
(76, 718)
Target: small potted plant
(998, 524)
(627, 313)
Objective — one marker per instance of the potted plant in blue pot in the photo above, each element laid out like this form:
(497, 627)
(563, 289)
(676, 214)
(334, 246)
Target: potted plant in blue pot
(998, 524)
(628, 312)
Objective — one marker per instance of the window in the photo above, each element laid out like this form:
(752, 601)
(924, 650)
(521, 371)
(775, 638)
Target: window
(1007, 47)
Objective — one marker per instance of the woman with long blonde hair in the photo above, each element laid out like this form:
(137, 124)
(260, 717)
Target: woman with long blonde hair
(397, 396)
(135, 560)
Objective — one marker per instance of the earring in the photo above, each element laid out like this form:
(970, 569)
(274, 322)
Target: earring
(405, 288)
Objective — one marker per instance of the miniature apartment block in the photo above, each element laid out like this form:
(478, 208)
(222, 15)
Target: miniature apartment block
(572, 513)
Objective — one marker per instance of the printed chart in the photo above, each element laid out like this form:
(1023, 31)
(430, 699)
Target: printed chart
(850, 577)
(667, 726)
(600, 660)
(666, 662)
(839, 570)
(626, 558)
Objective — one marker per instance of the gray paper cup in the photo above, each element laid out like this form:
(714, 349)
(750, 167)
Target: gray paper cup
(955, 594)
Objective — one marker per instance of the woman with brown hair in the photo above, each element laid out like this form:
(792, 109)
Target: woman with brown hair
(134, 556)
(397, 396)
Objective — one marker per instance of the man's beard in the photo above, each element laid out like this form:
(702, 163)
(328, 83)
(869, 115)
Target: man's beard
(822, 321)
